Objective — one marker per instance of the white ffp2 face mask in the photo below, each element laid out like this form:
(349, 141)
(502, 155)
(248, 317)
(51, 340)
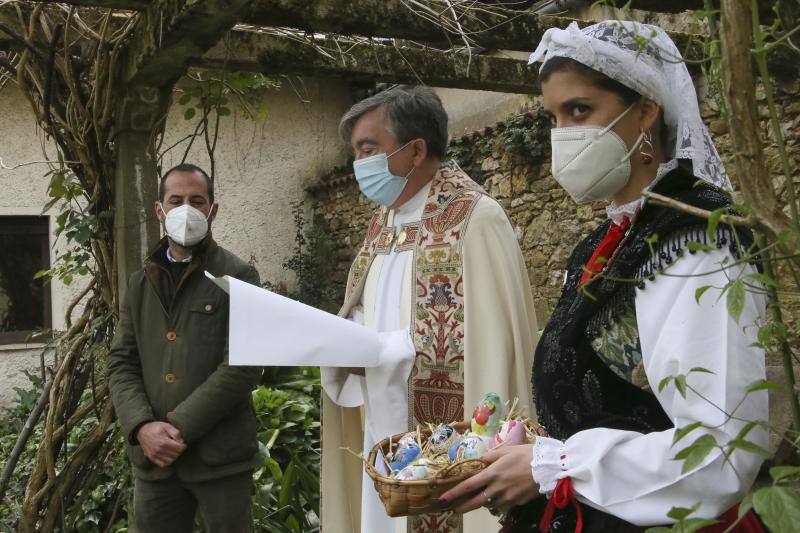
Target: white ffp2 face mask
(591, 162)
(186, 225)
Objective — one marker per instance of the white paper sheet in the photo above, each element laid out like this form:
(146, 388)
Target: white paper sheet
(267, 329)
(380, 464)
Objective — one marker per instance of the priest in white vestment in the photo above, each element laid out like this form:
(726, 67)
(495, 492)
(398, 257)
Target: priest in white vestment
(441, 277)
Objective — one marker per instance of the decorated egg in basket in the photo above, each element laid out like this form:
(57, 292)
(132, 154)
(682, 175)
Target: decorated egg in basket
(414, 471)
(470, 446)
(442, 438)
(404, 456)
(405, 453)
(511, 432)
(487, 414)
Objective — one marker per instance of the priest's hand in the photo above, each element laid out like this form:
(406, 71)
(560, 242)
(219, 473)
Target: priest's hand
(161, 442)
(506, 482)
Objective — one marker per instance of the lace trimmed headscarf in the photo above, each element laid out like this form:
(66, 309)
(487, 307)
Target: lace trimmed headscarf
(643, 58)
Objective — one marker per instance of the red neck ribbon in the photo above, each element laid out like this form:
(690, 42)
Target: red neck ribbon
(605, 249)
(562, 496)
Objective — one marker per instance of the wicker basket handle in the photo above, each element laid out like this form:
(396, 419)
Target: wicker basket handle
(445, 472)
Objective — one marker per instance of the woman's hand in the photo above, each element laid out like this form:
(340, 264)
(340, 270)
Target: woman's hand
(506, 482)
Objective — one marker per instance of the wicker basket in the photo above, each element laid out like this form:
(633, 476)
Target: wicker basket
(413, 497)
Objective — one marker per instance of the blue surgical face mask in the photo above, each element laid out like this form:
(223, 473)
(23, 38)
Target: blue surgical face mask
(375, 180)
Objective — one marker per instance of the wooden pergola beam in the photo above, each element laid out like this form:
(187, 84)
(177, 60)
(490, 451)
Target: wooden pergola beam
(493, 29)
(658, 6)
(172, 32)
(129, 5)
(387, 18)
(361, 60)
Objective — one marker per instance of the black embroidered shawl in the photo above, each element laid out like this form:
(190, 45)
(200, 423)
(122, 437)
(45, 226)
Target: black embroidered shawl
(573, 389)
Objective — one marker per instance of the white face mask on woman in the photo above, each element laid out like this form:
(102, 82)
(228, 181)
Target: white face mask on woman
(591, 162)
(186, 225)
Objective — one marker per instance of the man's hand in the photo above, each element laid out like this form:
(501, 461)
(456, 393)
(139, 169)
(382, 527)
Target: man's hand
(161, 442)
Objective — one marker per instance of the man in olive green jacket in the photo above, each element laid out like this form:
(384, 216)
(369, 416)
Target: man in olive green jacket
(187, 415)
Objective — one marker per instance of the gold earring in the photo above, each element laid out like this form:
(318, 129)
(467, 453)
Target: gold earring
(646, 150)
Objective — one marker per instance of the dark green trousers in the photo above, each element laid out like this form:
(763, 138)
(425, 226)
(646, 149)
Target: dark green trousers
(169, 505)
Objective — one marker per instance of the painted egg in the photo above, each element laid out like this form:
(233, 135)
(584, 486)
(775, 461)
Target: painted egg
(512, 432)
(404, 456)
(451, 454)
(442, 438)
(471, 446)
(487, 414)
(407, 440)
(413, 471)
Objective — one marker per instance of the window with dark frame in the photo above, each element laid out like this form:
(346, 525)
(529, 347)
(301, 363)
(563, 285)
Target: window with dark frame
(24, 301)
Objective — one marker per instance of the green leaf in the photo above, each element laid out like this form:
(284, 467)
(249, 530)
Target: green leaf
(682, 513)
(713, 222)
(685, 430)
(763, 279)
(700, 291)
(694, 454)
(700, 369)
(56, 189)
(761, 384)
(780, 473)
(664, 382)
(748, 446)
(746, 429)
(696, 524)
(680, 384)
(778, 507)
(745, 505)
(695, 246)
(735, 299)
(223, 111)
(185, 99)
(189, 113)
(287, 485)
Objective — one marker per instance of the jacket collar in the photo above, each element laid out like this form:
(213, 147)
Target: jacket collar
(200, 253)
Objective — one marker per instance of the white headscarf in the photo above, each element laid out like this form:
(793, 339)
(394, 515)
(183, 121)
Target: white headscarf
(643, 58)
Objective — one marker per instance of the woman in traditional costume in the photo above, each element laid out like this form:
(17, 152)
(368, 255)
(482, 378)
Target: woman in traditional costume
(638, 359)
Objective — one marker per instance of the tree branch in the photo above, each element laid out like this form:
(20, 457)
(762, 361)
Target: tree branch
(666, 201)
(24, 435)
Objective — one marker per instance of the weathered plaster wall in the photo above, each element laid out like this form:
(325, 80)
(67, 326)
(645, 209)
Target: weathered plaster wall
(23, 191)
(264, 167)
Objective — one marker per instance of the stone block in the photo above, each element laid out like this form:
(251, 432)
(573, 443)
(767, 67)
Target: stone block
(585, 212)
(718, 127)
(490, 164)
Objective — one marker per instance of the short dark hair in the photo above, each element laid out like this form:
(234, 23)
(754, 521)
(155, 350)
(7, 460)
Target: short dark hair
(413, 113)
(626, 95)
(187, 167)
